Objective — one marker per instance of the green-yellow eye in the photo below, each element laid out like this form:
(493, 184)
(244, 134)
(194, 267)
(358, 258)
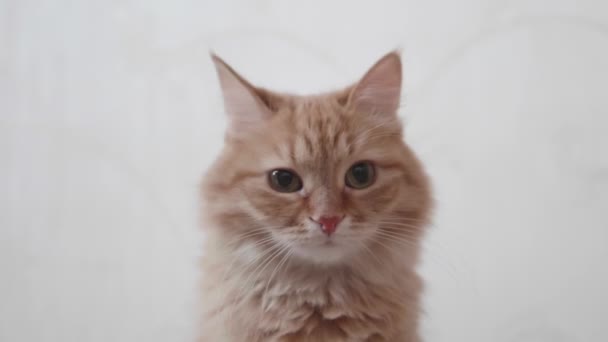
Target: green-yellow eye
(360, 175)
(283, 180)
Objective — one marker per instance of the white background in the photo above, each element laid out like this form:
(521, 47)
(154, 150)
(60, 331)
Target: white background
(110, 111)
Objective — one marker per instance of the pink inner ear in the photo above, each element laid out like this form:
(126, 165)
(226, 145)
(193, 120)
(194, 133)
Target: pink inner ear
(379, 91)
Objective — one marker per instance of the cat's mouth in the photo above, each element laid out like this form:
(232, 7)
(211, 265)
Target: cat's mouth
(325, 252)
(329, 242)
(321, 242)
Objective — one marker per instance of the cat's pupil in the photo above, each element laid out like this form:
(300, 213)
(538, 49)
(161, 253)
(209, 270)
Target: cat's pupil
(361, 173)
(284, 181)
(284, 178)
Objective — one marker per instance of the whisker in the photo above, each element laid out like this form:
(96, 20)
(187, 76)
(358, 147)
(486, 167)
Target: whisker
(375, 240)
(239, 253)
(277, 268)
(399, 217)
(395, 238)
(268, 255)
(402, 220)
(369, 251)
(434, 256)
(400, 224)
(258, 271)
(249, 234)
(391, 226)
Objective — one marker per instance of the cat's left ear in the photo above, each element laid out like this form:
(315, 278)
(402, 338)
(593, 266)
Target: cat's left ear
(242, 101)
(379, 91)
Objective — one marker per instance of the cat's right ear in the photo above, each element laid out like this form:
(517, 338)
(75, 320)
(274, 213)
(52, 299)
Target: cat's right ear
(379, 91)
(242, 103)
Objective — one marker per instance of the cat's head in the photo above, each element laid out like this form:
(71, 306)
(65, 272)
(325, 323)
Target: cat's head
(324, 177)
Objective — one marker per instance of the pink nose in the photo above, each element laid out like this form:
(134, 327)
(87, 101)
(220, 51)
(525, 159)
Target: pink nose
(329, 224)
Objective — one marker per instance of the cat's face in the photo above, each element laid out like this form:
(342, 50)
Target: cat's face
(323, 177)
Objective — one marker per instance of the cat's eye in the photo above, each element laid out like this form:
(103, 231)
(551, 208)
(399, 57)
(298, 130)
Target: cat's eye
(360, 175)
(283, 180)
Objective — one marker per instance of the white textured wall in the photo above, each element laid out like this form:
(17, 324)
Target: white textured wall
(110, 111)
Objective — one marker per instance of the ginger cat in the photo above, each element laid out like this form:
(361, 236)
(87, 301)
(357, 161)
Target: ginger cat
(314, 213)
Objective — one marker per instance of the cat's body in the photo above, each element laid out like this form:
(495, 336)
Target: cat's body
(314, 214)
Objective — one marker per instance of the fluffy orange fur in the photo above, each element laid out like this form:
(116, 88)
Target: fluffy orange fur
(269, 272)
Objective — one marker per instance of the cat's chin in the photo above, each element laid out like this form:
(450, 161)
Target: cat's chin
(329, 253)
